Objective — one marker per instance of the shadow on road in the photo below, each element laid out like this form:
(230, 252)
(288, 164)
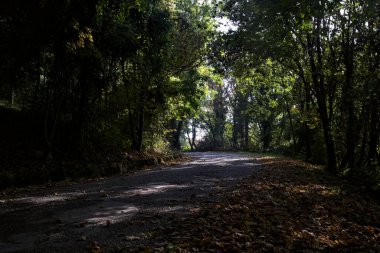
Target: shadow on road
(66, 218)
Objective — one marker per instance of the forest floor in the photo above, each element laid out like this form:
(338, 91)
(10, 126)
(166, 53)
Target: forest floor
(217, 202)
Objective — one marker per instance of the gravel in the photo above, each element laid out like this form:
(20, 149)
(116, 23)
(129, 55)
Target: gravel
(118, 211)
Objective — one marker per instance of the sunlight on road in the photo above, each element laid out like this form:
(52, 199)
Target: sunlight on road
(156, 188)
(48, 199)
(112, 214)
(221, 161)
(85, 210)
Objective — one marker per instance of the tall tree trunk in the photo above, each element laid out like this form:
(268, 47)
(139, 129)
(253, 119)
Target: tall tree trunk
(235, 129)
(305, 109)
(266, 135)
(348, 104)
(193, 137)
(246, 132)
(174, 136)
(374, 129)
(140, 126)
(319, 87)
(291, 123)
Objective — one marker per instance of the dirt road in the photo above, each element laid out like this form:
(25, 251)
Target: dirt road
(113, 211)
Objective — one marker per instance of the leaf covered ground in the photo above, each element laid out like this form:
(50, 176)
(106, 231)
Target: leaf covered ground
(287, 206)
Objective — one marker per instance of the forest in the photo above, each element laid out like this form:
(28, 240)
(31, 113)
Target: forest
(84, 83)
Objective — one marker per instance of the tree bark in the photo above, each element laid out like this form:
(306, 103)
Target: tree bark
(348, 104)
(318, 84)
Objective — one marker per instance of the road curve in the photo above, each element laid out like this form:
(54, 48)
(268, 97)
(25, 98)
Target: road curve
(64, 219)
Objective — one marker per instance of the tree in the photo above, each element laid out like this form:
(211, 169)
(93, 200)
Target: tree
(322, 42)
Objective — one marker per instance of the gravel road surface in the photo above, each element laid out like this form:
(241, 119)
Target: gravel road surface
(110, 211)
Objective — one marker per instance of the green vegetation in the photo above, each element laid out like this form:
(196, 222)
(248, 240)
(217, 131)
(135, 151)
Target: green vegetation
(86, 81)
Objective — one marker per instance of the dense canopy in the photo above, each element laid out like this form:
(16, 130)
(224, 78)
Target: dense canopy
(89, 80)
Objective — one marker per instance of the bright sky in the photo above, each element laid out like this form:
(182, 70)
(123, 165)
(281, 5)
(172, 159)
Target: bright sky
(225, 25)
